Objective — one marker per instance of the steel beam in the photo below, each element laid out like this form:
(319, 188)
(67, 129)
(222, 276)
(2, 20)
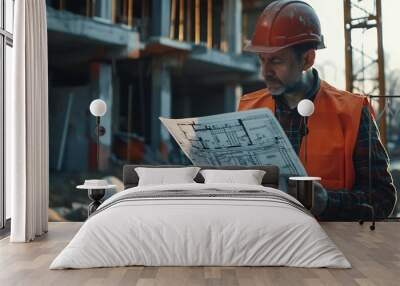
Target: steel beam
(356, 80)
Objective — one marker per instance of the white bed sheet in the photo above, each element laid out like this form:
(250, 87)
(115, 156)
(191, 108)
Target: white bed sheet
(200, 231)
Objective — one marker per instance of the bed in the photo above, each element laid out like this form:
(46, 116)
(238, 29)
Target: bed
(198, 224)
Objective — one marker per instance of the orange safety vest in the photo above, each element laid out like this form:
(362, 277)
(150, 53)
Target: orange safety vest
(332, 133)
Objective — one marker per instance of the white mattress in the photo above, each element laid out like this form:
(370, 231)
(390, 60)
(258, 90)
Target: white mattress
(183, 231)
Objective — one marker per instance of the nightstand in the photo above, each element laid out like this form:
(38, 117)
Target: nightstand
(304, 190)
(96, 191)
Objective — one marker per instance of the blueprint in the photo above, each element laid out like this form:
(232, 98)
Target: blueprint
(245, 138)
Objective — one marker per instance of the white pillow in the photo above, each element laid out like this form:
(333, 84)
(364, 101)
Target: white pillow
(163, 176)
(248, 177)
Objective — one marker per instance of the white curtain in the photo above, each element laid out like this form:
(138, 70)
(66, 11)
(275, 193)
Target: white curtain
(27, 170)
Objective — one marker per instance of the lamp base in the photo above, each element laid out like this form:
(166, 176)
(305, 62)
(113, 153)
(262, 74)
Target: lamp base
(304, 190)
(95, 195)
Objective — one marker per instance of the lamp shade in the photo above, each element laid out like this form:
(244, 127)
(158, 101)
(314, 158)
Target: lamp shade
(98, 107)
(305, 107)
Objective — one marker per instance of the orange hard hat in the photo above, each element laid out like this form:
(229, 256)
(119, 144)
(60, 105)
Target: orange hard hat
(285, 23)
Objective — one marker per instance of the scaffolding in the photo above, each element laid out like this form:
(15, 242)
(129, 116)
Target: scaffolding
(198, 22)
(365, 67)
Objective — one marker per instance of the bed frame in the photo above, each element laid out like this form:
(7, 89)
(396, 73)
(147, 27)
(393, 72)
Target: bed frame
(270, 179)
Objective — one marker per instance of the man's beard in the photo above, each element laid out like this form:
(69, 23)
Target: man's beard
(284, 88)
(274, 91)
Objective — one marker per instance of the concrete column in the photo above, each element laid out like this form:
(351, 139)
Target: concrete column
(161, 18)
(102, 88)
(233, 25)
(160, 103)
(106, 94)
(104, 9)
(233, 33)
(232, 97)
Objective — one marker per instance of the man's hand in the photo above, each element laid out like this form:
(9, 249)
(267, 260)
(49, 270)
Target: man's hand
(320, 199)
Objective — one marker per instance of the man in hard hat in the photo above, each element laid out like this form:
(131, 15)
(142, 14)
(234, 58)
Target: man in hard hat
(286, 36)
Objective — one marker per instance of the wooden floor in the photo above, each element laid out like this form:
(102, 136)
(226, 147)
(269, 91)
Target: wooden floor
(375, 257)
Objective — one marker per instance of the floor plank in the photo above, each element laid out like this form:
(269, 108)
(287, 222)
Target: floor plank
(374, 255)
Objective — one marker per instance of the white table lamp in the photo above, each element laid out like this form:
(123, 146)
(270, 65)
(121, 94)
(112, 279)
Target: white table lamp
(98, 108)
(305, 108)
